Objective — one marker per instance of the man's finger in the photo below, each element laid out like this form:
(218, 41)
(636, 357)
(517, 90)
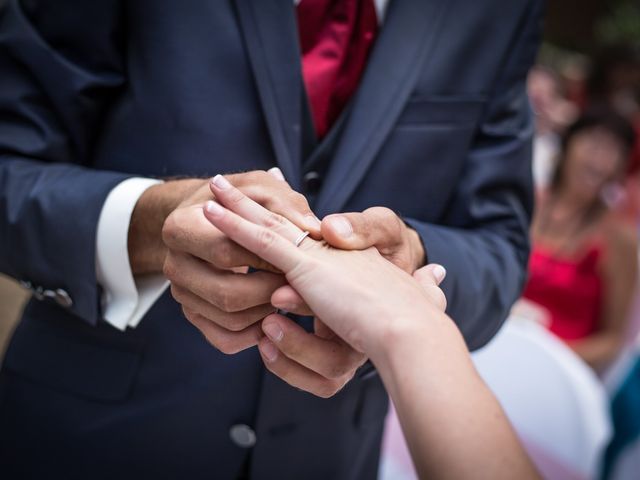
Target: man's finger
(331, 358)
(376, 227)
(209, 244)
(297, 375)
(224, 340)
(278, 197)
(229, 291)
(286, 298)
(232, 321)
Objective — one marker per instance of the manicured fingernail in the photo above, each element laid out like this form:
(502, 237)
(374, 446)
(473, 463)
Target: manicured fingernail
(341, 226)
(276, 172)
(221, 182)
(439, 272)
(214, 209)
(273, 331)
(269, 350)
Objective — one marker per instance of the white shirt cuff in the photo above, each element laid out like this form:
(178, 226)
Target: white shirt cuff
(125, 298)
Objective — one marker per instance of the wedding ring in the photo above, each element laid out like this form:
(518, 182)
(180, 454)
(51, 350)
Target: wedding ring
(301, 237)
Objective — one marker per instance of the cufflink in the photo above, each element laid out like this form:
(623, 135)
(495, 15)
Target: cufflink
(59, 295)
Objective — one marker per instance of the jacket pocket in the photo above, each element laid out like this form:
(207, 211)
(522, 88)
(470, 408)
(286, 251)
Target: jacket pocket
(464, 110)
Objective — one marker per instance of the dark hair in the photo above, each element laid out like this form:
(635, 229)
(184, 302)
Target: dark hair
(604, 118)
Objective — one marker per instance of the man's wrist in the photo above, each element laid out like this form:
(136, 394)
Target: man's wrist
(146, 249)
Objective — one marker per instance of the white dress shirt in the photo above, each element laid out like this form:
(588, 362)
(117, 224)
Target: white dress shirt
(125, 298)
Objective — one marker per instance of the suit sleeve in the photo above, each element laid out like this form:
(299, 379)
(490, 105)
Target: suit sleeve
(485, 245)
(61, 66)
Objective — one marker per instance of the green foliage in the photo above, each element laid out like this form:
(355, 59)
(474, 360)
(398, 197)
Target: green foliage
(622, 25)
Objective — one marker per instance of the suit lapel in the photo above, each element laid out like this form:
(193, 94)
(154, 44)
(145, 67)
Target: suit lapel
(269, 30)
(404, 42)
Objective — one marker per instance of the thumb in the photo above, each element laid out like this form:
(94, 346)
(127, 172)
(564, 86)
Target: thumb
(376, 227)
(430, 275)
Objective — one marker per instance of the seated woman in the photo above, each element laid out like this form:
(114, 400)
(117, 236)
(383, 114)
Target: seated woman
(583, 266)
(454, 426)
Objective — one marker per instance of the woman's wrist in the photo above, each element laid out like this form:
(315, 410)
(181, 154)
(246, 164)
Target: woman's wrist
(430, 336)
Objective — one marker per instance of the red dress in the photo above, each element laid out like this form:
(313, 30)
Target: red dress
(571, 289)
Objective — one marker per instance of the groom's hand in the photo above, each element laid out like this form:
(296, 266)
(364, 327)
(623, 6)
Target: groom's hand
(377, 227)
(208, 271)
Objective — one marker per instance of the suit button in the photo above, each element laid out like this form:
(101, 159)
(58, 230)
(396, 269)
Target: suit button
(312, 181)
(62, 298)
(243, 435)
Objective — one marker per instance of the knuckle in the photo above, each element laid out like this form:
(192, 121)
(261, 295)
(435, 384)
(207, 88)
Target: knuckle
(235, 196)
(222, 252)
(177, 294)
(170, 229)
(274, 220)
(188, 313)
(387, 219)
(296, 198)
(275, 204)
(226, 344)
(224, 299)
(169, 269)
(328, 389)
(236, 323)
(338, 371)
(266, 239)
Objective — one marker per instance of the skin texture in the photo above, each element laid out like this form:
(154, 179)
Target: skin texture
(454, 426)
(208, 271)
(593, 159)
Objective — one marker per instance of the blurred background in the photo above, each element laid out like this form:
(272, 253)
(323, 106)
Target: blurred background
(572, 385)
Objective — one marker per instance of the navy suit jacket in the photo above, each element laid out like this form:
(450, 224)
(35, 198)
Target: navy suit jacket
(94, 92)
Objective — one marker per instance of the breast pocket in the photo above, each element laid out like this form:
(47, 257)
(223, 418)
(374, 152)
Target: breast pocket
(461, 111)
(422, 160)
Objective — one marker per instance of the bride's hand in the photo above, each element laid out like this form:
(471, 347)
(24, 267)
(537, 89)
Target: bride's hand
(360, 295)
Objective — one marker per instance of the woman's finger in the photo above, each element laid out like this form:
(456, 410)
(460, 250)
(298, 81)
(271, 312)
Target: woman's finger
(264, 242)
(236, 201)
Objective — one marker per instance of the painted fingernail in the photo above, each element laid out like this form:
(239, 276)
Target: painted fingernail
(214, 208)
(269, 350)
(221, 182)
(341, 226)
(439, 272)
(276, 172)
(273, 331)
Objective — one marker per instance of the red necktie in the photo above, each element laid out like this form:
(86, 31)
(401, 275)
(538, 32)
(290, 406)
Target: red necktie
(335, 37)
